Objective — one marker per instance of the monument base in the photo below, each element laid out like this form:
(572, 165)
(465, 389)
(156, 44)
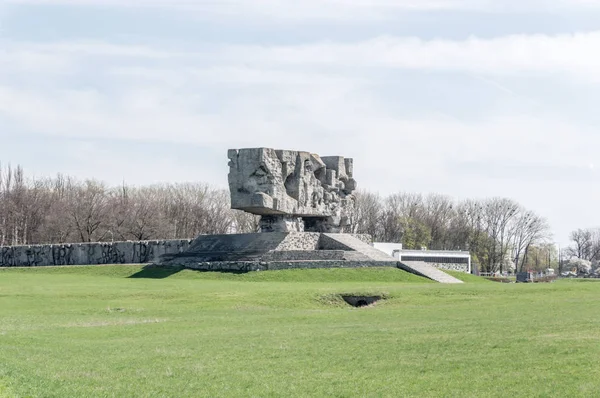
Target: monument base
(281, 223)
(278, 250)
(286, 223)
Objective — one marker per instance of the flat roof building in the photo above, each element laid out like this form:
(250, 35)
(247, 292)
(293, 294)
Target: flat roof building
(443, 259)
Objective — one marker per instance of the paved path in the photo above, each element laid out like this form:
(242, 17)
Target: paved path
(426, 270)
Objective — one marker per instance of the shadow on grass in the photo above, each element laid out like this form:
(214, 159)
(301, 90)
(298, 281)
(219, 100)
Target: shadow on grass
(151, 272)
(155, 273)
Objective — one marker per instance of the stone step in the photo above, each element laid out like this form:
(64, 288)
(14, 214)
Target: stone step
(247, 266)
(303, 255)
(278, 246)
(423, 269)
(242, 247)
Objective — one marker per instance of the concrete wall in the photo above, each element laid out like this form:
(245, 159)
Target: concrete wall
(89, 253)
(452, 267)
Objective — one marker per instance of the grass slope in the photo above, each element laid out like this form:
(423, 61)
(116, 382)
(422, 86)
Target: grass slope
(374, 274)
(468, 278)
(96, 331)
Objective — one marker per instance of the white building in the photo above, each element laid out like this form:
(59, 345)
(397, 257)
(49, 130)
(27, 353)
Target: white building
(443, 259)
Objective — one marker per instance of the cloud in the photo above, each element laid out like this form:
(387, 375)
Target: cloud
(286, 7)
(326, 9)
(84, 48)
(327, 116)
(570, 53)
(289, 10)
(27, 61)
(275, 95)
(573, 54)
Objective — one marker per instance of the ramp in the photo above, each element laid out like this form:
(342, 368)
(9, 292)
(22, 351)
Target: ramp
(423, 269)
(350, 243)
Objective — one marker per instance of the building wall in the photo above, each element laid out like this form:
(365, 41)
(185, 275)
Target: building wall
(451, 267)
(132, 252)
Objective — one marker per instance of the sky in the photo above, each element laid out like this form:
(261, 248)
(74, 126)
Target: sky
(467, 98)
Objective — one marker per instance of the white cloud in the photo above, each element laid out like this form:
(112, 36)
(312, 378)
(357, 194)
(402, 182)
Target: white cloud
(286, 7)
(288, 10)
(27, 61)
(327, 9)
(573, 54)
(84, 48)
(253, 94)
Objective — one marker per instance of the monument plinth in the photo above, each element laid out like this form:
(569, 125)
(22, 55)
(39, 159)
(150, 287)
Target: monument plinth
(306, 204)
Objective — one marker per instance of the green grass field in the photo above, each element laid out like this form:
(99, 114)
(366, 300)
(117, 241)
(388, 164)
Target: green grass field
(126, 332)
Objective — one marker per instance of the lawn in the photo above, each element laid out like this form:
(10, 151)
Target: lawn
(122, 331)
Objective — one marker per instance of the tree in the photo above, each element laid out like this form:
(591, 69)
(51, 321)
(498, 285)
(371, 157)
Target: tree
(529, 230)
(368, 214)
(396, 209)
(586, 244)
(437, 217)
(88, 209)
(498, 214)
(244, 222)
(580, 265)
(415, 234)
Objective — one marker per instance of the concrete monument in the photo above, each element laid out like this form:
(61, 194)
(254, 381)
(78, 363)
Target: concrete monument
(292, 191)
(306, 203)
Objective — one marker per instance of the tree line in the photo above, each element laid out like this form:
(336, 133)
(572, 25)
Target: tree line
(63, 209)
(500, 233)
(583, 255)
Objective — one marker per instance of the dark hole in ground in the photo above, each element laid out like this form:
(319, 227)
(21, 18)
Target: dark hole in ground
(360, 301)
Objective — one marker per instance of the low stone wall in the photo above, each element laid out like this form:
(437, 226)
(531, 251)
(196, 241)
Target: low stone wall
(306, 255)
(131, 252)
(299, 241)
(247, 266)
(451, 267)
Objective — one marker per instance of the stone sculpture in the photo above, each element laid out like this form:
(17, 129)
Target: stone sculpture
(292, 191)
(306, 203)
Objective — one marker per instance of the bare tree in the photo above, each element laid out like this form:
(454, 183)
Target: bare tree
(244, 222)
(530, 229)
(368, 215)
(88, 210)
(498, 216)
(438, 215)
(57, 225)
(586, 244)
(396, 208)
